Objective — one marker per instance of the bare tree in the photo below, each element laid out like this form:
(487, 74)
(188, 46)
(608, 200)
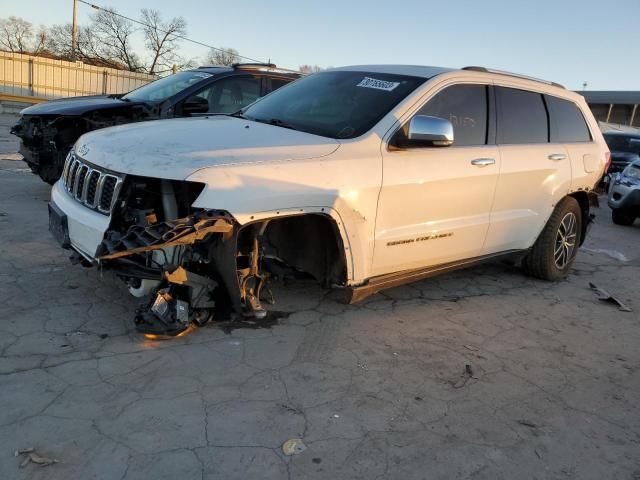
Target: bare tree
(162, 39)
(39, 43)
(16, 35)
(113, 39)
(89, 48)
(310, 68)
(223, 56)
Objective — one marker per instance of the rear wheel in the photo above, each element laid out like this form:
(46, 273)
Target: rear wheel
(621, 217)
(555, 250)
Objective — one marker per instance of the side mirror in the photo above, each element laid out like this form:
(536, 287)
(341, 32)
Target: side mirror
(195, 105)
(432, 131)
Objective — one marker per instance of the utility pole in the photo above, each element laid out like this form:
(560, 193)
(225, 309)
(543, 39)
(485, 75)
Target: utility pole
(74, 33)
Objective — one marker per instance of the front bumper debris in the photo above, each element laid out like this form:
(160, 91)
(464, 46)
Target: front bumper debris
(183, 231)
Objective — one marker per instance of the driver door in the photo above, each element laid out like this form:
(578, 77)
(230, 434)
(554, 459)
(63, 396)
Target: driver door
(435, 202)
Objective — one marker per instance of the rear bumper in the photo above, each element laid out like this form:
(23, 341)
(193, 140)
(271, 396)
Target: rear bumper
(86, 227)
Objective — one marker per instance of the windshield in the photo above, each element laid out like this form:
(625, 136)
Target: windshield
(338, 104)
(621, 143)
(166, 87)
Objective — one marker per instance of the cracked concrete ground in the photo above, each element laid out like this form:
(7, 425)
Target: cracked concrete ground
(375, 390)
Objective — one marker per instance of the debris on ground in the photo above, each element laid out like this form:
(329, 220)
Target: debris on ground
(464, 378)
(605, 296)
(527, 423)
(30, 456)
(471, 347)
(293, 446)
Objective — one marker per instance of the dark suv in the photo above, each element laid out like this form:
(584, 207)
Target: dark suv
(625, 148)
(49, 130)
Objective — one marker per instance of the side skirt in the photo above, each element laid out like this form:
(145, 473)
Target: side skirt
(382, 282)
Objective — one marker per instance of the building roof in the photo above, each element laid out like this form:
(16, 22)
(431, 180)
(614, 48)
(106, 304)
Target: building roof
(612, 96)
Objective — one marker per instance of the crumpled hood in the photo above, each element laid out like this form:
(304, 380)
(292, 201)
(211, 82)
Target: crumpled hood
(174, 149)
(77, 106)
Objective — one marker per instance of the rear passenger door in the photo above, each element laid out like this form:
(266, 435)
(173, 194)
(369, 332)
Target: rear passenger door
(534, 172)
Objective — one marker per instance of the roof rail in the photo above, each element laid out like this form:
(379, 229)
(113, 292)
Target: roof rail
(254, 65)
(510, 74)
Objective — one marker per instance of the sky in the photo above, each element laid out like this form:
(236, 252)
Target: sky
(566, 41)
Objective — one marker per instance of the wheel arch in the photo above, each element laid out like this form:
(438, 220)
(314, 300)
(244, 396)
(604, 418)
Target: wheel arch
(291, 234)
(584, 201)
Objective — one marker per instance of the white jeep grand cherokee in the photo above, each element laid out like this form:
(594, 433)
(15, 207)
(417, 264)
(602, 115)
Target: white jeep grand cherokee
(363, 177)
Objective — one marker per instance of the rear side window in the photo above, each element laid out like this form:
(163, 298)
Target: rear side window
(522, 117)
(465, 106)
(276, 83)
(566, 121)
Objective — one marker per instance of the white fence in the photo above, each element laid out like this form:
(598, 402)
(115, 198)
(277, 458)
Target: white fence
(28, 76)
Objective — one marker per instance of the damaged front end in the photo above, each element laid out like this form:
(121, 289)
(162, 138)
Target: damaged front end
(188, 267)
(46, 139)
(190, 264)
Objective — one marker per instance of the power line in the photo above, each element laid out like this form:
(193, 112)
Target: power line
(164, 31)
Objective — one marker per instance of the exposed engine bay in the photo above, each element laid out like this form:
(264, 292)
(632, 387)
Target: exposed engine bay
(189, 265)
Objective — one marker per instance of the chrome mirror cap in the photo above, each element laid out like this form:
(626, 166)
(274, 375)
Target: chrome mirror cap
(431, 130)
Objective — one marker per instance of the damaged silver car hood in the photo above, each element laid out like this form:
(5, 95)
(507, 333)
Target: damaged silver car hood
(175, 149)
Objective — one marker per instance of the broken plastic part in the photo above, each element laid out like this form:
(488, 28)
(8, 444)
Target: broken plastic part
(183, 231)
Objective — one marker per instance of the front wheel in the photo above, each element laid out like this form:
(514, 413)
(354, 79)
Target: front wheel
(555, 250)
(620, 217)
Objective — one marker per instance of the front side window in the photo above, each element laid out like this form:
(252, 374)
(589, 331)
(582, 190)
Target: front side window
(465, 106)
(166, 87)
(231, 94)
(335, 104)
(522, 117)
(566, 121)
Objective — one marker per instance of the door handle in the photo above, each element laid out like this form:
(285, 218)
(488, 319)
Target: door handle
(483, 162)
(557, 156)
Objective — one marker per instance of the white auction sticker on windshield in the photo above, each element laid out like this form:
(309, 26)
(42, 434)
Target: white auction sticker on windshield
(378, 84)
(202, 75)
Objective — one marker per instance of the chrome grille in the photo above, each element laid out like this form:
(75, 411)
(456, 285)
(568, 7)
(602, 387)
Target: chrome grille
(89, 185)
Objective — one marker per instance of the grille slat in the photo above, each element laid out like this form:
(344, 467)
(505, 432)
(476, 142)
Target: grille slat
(94, 188)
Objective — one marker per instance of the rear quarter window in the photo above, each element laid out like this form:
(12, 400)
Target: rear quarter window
(567, 124)
(522, 117)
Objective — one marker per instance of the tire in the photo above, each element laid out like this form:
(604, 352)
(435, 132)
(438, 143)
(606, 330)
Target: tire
(555, 250)
(620, 217)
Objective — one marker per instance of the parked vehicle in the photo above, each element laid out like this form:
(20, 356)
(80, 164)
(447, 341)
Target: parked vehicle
(49, 130)
(624, 147)
(363, 177)
(624, 195)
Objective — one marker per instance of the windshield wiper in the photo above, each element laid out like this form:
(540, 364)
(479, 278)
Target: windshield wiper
(277, 122)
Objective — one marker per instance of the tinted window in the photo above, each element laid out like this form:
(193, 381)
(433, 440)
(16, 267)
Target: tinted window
(623, 143)
(465, 106)
(522, 117)
(167, 87)
(231, 94)
(567, 122)
(276, 83)
(335, 104)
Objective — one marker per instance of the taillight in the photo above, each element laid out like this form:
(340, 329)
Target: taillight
(607, 161)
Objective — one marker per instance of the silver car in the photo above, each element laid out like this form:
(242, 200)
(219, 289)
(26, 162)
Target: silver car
(624, 195)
